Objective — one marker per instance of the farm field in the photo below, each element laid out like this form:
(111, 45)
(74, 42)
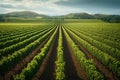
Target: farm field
(71, 49)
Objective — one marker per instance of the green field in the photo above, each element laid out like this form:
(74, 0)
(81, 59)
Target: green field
(61, 49)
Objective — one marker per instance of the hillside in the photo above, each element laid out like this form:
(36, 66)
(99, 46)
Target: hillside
(25, 15)
(78, 16)
(108, 18)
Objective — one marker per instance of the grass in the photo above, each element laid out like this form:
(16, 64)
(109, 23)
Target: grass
(83, 21)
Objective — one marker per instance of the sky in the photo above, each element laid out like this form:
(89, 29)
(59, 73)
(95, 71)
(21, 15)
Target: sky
(61, 7)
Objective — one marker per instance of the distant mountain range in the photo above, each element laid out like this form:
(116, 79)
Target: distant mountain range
(33, 15)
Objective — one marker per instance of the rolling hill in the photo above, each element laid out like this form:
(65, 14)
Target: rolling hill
(25, 15)
(78, 16)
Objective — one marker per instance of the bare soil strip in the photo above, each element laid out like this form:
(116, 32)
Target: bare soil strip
(18, 68)
(105, 71)
(47, 68)
(73, 69)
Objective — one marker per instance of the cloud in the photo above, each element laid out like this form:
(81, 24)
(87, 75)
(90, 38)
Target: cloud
(6, 6)
(92, 3)
(59, 7)
(41, 6)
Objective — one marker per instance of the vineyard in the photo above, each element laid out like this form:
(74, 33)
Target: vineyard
(60, 50)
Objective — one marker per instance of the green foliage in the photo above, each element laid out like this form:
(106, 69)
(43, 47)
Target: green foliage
(111, 18)
(106, 59)
(20, 44)
(11, 60)
(32, 67)
(100, 45)
(88, 65)
(60, 63)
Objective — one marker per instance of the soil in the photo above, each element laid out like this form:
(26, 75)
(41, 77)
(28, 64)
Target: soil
(105, 71)
(73, 70)
(47, 68)
(18, 68)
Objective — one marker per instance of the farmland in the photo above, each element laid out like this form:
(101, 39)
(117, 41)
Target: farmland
(70, 49)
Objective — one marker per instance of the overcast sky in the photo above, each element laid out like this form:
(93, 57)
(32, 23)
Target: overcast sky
(61, 7)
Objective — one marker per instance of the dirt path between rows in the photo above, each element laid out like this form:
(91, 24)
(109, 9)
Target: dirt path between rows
(73, 70)
(105, 71)
(47, 68)
(18, 68)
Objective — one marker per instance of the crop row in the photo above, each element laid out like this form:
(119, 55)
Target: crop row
(106, 59)
(7, 62)
(100, 37)
(23, 32)
(107, 49)
(32, 67)
(15, 36)
(88, 65)
(9, 50)
(107, 31)
(19, 39)
(11, 30)
(60, 63)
